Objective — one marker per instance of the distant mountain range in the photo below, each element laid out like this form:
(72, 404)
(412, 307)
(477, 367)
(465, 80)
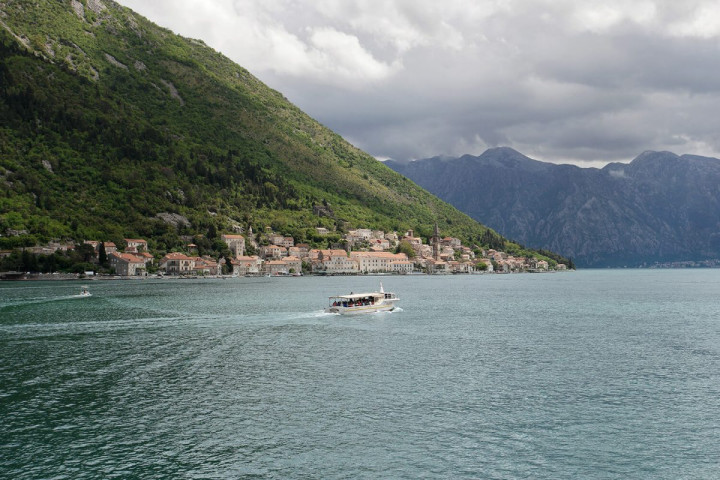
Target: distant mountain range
(660, 207)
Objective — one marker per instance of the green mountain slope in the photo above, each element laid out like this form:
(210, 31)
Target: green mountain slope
(109, 120)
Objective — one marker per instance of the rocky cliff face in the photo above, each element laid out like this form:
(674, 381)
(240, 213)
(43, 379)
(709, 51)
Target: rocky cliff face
(660, 207)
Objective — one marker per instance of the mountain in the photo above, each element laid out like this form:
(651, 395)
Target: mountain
(114, 127)
(660, 207)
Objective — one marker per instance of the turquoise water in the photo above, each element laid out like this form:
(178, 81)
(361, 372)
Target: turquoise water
(592, 374)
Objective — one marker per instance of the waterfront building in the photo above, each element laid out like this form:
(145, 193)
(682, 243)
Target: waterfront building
(273, 252)
(127, 264)
(138, 245)
(177, 263)
(236, 244)
(376, 262)
(334, 262)
(246, 265)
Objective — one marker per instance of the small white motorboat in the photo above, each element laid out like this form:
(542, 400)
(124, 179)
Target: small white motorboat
(84, 292)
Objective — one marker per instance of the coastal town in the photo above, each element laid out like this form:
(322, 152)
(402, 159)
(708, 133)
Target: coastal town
(365, 252)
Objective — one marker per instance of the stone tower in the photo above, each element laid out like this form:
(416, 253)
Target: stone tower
(435, 241)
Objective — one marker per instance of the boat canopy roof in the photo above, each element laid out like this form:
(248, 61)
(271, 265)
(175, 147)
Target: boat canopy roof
(357, 296)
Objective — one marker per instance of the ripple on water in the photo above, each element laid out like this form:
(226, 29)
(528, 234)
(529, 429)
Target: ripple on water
(587, 375)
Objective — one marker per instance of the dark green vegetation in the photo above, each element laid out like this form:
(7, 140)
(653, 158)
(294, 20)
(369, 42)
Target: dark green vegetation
(109, 121)
(79, 261)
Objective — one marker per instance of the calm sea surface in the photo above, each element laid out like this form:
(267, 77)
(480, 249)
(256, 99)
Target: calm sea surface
(593, 374)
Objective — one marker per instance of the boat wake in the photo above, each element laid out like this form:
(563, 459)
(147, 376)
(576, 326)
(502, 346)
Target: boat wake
(38, 301)
(306, 315)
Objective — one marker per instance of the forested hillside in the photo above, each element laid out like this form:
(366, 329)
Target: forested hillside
(115, 127)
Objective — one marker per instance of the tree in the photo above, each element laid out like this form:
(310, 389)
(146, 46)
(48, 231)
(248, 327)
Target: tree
(49, 263)
(86, 252)
(492, 240)
(406, 248)
(226, 266)
(212, 232)
(29, 262)
(102, 255)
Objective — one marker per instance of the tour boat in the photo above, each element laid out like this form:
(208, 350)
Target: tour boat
(356, 303)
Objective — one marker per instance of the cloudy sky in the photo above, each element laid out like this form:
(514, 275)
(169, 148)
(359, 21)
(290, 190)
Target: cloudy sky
(564, 81)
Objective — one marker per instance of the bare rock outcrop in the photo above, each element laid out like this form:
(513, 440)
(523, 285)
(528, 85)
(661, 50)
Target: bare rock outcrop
(79, 9)
(173, 91)
(174, 219)
(114, 61)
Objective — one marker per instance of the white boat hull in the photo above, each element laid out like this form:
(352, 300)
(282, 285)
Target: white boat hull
(361, 309)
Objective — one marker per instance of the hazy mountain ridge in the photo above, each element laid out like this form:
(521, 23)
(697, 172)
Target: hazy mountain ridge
(659, 207)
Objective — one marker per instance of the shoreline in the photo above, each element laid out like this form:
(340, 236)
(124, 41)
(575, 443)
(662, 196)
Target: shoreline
(31, 277)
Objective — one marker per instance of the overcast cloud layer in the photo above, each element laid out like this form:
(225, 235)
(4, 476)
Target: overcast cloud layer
(566, 81)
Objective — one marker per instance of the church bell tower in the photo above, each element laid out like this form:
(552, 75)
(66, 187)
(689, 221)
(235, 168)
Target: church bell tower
(435, 241)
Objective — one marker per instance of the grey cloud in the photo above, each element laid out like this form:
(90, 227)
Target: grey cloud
(564, 81)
